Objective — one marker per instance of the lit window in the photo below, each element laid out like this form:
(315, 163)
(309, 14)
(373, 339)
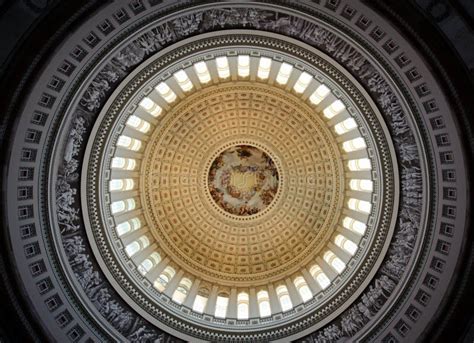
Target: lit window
(264, 304)
(334, 261)
(123, 163)
(345, 126)
(165, 277)
(221, 306)
(132, 248)
(284, 297)
(138, 124)
(354, 225)
(321, 278)
(122, 206)
(284, 73)
(149, 263)
(202, 72)
(360, 164)
(222, 67)
(183, 80)
(354, 144)
(359, 205)
(346, 244)
(148, 105)
(319, 94)
(166, 92)
(303, 288)
(243, 65)
(264, 67)
(242, 306)
(121, 184)
(303, 82)
(129, 143)
(334, 109)
(182, 290)
(128, 226)
(200, 302)
(361, 185)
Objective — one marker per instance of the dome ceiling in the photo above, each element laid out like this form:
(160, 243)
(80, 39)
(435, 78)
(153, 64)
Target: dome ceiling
(240, 172)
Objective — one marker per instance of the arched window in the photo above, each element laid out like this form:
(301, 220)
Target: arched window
(354, 144)
(122, 206)
(303, 288)
(264, 67)
(202, 72)
(284, 298)
(221, 306)
(263, 301)
(222, 65)
(344, 243)
(334, 261)
(302, 83)
(138, 123)
(284, 73)
(354, 225)
(360, 164)
(132, 248)
(345, 126)
(165, 277)
(183, 80)
(128, 226)
(136, 246)
(242, 306)
(149, 263)
(123, 163)
(321, 278)
(148, 105)
(121, 185)
(129, 143)
(319, 94)
(361, 185)
(334, 109)
(166, 92)
(200, 301)
(359, 205)
(243, 65)
(182, 290)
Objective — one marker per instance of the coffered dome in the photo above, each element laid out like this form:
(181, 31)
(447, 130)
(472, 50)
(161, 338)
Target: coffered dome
(238, 172)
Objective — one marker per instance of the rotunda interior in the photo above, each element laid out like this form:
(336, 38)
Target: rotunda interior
(237, 171)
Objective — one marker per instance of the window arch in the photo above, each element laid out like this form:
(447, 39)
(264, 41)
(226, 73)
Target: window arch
(359, 205)
(334, 261)
(346, 244)
(123, 163)
(138, 123)
(129, 143)
(354, 225)
(360, 164)
(150, 107)
(284, 298)
(263, 301)
(162, 281)
(128, 226)
(182, 290)
(303, 288)
(149, 263)
(136, 246)
(121, 185)
(122, 206)
(243, 305)
(321, 278)
(200, 301)
(202, 72)
(222, 303)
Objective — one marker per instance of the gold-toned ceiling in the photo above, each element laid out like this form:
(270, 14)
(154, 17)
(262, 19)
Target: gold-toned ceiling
(208, 241)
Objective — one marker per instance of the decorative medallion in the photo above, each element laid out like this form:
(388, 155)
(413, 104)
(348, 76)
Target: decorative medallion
(243, 180)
